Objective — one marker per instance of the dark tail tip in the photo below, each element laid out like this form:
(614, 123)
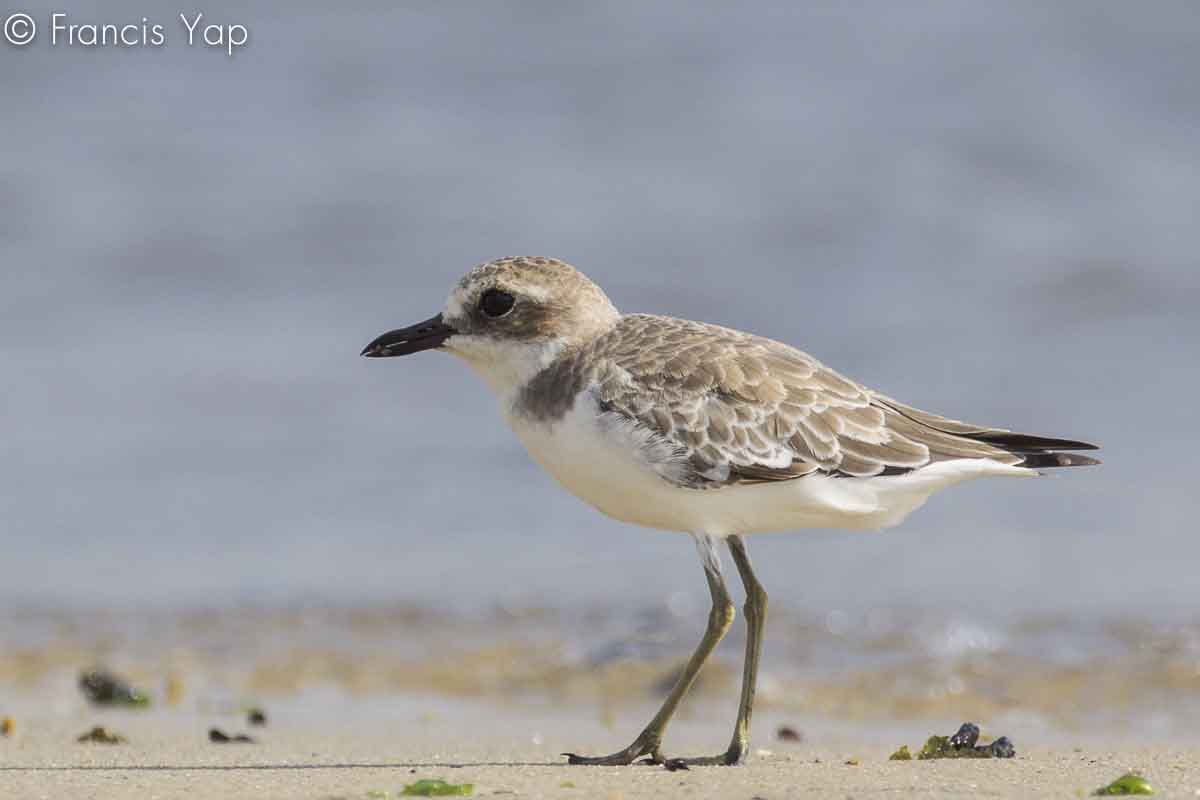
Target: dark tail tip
(1040, 452)
(1047, 460)
(1024, 443)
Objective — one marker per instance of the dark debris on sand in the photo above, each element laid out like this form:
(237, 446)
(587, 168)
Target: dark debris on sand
(100, 735)
(962, 744)
(786, 733)
(103, 688)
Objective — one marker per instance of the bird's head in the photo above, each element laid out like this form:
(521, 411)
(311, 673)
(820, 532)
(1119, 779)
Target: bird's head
(509, 319)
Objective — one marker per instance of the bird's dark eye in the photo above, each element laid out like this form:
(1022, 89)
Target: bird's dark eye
(496, 303)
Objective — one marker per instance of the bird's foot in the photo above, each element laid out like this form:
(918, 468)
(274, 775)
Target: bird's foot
(640, 747)
(729, 758)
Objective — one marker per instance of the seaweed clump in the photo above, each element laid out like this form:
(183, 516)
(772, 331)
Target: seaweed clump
(964, 744)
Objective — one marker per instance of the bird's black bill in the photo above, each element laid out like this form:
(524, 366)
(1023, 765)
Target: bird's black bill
(413, 339)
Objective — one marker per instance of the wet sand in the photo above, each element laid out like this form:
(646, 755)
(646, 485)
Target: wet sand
(1127, 676)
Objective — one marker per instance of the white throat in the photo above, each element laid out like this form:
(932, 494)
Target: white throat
(505, 366)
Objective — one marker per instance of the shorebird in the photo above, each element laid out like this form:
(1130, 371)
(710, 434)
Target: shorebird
(689, 427)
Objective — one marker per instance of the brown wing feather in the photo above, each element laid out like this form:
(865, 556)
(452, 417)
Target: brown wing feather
(745, 409)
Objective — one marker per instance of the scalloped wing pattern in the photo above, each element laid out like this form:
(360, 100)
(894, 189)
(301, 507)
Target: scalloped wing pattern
(746, 409)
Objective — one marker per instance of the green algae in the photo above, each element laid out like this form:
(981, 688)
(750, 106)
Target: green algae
(1129, 783)
(436, 787)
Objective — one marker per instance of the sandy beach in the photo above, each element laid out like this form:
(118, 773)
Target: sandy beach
(361, 702)
(162, 762)
(511, 751)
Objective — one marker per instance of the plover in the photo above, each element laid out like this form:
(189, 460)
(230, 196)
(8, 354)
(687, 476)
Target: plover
(705, 430)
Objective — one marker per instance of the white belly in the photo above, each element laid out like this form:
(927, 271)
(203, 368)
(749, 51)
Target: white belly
(602, 466)
(599, 469)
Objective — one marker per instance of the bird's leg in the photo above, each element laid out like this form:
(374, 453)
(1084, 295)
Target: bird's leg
(719, 620)
(756, 618)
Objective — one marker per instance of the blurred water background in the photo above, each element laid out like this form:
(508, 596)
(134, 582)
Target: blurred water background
(987, 210)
